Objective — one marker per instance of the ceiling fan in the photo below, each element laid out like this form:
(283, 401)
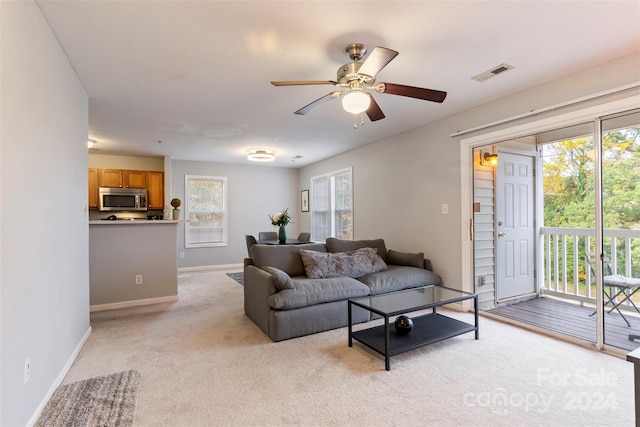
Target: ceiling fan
(357, 77)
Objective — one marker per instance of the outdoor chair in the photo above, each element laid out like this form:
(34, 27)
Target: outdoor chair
(619, 287)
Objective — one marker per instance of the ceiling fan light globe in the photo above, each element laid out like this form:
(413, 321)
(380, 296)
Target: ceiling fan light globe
(356, 102)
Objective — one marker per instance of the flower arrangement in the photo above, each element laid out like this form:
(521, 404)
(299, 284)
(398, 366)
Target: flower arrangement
(281, 219)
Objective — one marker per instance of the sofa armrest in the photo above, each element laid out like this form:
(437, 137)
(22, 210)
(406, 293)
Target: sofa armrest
(258, 286)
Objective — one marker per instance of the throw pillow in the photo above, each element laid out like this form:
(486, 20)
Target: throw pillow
(358, 263)
(280, 278)
(337, 245)
(402, 258)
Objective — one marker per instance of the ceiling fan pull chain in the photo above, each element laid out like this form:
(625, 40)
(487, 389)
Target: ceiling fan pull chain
(362, 119)
(355, 121)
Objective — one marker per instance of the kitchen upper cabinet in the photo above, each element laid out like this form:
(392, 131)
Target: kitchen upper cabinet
(135, 179)
(119, 178)
(155, 190)
(111, 178)
(153, 181)
(93, 188)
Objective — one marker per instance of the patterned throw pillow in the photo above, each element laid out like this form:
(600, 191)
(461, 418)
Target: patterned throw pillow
(358, 263)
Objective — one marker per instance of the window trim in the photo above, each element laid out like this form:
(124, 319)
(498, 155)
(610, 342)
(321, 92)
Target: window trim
(224, 242)
(332, 208)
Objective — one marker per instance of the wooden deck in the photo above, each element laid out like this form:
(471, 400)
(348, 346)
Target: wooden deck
(573, 319)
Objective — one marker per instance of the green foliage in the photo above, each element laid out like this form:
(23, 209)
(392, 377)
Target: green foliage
(568, 181)
(569, 186)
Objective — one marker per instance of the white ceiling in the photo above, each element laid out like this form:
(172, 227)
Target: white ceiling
(196, 74)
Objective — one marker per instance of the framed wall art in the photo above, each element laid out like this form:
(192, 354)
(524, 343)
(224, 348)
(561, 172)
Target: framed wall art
(304, 201)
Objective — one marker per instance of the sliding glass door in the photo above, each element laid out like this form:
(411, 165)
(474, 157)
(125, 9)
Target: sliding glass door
(588, 253)
(619, 257)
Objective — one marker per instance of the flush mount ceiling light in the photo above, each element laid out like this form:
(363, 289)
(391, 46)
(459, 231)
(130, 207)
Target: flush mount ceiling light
(488, 159)
(261, 155)
(91, 143)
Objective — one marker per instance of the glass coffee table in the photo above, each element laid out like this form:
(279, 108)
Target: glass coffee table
(427, 328)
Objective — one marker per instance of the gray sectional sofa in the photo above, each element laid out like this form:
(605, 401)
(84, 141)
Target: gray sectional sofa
(291, 291)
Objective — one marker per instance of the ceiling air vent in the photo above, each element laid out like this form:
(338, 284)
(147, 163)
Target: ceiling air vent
(492, 72)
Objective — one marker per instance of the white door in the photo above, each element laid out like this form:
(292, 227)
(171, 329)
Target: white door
(515, 213)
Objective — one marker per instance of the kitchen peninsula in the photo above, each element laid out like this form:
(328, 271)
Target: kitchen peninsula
(132, 262)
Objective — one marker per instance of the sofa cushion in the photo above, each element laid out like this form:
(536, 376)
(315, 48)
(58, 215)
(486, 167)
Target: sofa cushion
(337, 245)
(402, 258)
(354, 264)
(399, 277)
(281, 279)
(283, 257)
(308, 292)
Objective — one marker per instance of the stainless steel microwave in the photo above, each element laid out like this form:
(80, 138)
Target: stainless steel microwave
(122, 199)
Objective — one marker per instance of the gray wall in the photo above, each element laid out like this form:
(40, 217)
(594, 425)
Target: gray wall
(253, 193)
(120, 250)
(44, 273)
(401, 182)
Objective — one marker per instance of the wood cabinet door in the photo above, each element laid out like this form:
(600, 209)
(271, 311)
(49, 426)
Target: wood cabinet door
(155, 190)
(135, 179)
(93, 188)
(111, 178)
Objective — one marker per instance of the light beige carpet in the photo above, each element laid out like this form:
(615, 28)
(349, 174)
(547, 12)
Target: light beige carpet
(204, 363)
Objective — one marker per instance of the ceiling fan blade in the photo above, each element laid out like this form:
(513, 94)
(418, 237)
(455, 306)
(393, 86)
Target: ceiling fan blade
(304, 82)
(318, 102)
(374, 112)
(376, 61)
(411, 91)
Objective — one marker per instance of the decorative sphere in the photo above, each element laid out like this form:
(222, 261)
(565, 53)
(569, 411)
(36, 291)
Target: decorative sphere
(403, 325)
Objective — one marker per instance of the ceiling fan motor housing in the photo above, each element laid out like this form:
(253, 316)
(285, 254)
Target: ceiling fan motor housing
(349, 72)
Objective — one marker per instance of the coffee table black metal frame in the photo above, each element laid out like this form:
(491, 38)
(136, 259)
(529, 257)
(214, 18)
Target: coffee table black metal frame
(427, 328)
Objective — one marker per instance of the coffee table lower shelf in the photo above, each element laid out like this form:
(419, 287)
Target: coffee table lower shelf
(427, 329)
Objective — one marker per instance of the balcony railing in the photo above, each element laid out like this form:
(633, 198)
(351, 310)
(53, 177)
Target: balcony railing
(566, 273)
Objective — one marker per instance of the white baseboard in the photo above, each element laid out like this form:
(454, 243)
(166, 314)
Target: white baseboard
(58, 381)
(133, 303)
(214, 267)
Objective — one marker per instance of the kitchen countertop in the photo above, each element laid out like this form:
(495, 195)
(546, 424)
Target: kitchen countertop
(136, 221)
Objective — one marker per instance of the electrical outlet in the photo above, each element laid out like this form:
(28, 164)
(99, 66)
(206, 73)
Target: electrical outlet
(27, 370)
(483, 281)
(445, 209)
(181, 254)
(139, 279)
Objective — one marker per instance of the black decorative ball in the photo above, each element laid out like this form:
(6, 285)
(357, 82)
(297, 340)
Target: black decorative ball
(403, 325)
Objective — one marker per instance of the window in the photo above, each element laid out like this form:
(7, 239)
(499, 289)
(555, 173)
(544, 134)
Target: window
(205, 211)
(332, 205)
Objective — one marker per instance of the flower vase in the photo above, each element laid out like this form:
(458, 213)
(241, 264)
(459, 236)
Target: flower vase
(282, 235)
